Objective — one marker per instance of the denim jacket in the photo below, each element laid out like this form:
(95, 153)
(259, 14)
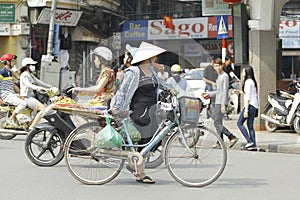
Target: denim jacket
(129, 85)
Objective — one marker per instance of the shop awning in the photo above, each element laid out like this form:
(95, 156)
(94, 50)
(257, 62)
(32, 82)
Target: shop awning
(83, 34)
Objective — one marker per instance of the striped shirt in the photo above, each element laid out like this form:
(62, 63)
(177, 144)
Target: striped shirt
(6, 82)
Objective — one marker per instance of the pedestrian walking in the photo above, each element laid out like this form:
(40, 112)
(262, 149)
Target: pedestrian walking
(221, 101)
(250, 110)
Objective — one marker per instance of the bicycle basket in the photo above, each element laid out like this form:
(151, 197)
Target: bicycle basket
(190, 109)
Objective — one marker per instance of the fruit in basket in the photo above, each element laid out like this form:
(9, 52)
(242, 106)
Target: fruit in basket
(64, 100)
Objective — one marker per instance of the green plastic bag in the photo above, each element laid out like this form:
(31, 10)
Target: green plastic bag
(132, 130)
(108, 137)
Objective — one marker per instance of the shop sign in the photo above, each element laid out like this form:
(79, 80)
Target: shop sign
(7, 13)
(289, 28)
(4, 29)
(184, 29)
(291, 43)
(16, 29)
(135, 30)
(62, 17)
(212, 46)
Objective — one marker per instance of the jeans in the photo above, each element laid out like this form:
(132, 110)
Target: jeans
(249, 136)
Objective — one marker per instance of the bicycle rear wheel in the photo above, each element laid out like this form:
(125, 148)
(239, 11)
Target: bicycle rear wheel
(200, 164)
(86, 164)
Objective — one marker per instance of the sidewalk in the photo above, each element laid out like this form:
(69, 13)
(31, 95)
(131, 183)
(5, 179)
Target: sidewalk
(281, 141)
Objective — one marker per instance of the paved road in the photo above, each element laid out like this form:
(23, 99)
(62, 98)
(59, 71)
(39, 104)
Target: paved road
(248, 176)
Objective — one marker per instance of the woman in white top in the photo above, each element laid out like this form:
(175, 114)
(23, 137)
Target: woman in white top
(29, 83)
(250, 110)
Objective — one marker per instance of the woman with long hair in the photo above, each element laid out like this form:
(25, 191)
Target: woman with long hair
(250, 110)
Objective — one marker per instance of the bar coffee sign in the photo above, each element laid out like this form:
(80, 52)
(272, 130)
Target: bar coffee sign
(7, 13)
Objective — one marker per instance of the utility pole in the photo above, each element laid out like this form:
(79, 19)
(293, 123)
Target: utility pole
(51, 29)
(50, 69)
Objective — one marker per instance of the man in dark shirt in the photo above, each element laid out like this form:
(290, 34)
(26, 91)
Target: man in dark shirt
(210, 76)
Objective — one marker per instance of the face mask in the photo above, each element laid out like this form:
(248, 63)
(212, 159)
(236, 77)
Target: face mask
(32, 68)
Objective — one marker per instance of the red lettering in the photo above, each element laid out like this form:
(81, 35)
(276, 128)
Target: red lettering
(64, 16)
(182, 28)
(287, 23)
(156, 28)
(197, 28)
(291, 23)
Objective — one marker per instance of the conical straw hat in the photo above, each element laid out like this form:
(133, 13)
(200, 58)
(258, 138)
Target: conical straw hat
(146, 51)
(132, 50)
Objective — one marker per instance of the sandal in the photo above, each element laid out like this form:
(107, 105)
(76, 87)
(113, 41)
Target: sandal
(146, 180)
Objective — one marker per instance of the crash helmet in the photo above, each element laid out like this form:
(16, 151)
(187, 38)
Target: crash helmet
(176, 68)
(7, 57)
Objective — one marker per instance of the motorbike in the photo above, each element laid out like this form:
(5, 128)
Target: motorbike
(23, 119)
(44, 144)
(283, 110)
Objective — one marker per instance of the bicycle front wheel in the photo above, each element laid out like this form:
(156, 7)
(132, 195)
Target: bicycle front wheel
(199, 163)
(83, 161)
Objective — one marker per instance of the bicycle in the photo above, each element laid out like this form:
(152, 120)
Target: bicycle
(189, 154)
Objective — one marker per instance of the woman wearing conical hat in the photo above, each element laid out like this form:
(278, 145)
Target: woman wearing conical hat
(138, 93)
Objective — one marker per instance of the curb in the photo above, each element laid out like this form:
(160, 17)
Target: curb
(273, 148)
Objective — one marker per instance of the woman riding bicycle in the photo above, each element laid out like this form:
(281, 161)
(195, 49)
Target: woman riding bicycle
(138, 93)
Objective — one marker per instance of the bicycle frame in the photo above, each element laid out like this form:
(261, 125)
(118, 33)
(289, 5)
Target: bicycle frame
(184, 147)
(162, 130)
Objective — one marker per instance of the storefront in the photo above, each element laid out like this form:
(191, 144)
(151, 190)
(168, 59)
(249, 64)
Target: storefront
(192, 41)
(289, 32)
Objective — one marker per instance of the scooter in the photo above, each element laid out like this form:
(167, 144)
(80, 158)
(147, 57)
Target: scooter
(283, 111)
(44, 144)
(23, 119)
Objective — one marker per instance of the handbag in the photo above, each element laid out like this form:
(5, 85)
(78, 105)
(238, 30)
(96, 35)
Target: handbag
(134, 133)
(108, 137)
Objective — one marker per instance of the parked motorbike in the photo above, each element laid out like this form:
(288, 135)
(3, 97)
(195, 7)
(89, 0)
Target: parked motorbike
(23, 119)
(283, 110)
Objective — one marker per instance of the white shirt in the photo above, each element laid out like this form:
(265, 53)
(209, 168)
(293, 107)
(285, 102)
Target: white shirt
(28, 83)
(250, 93)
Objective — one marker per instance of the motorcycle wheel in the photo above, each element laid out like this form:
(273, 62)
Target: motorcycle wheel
(42, 154)
(296, 125)
(155, 159)
(268, 125)
(5, 136)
